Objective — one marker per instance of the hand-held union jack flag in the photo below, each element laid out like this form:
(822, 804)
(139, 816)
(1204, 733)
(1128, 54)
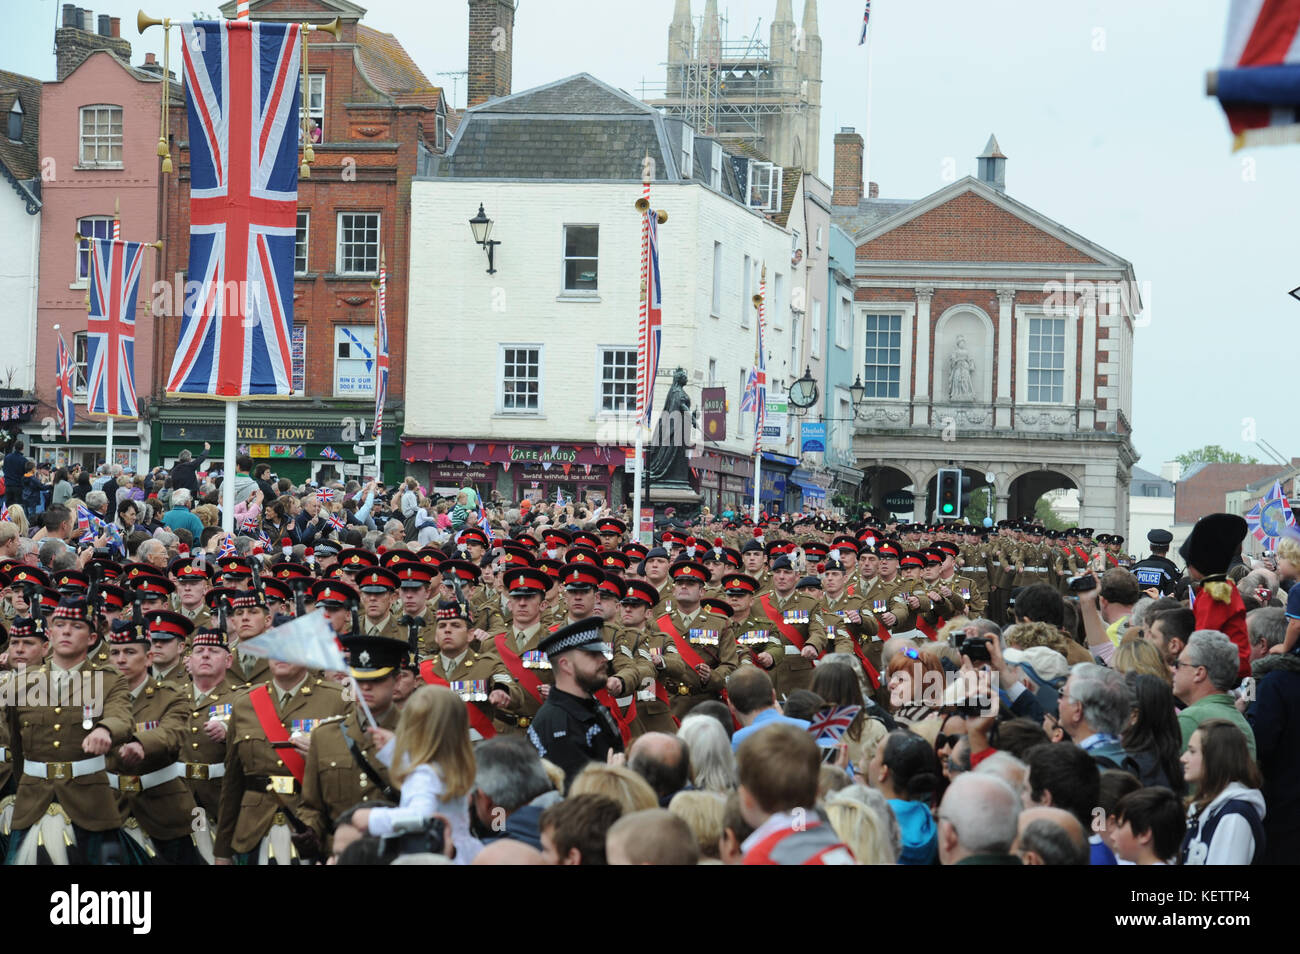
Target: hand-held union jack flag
(64, 405)
(1271, 517)
(110, 340)
(381, 351)
(242, 93)
(828, 725)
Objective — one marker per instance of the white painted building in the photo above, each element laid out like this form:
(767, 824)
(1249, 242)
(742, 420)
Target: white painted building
(20, 229)
(522, 380)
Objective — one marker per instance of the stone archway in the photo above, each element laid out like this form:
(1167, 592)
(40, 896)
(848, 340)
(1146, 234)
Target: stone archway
(881, 481)
(1026, 487)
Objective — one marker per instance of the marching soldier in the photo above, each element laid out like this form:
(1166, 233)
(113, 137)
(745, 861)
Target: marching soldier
(378, 588)
(211, 697)
(193, 580)
(621, 693)
(652, 700)
(789, 615)
(963, 586)
(476, 675)
(415, 585)
(749, 627)
(249, 617)
(268, 736)
(64, 806)
(844, 624)
(147, 772)
(517, 643)
(887, 600)
(341, 769)
(168, 634)
(706, 647)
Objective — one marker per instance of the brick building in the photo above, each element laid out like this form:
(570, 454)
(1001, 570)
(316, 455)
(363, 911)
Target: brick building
(379, 120)
(991, 337)
(98, 136)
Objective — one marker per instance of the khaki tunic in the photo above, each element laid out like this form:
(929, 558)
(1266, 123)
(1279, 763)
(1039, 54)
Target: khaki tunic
(165, 811)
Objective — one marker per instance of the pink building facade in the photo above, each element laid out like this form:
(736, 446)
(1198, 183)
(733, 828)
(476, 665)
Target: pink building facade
(98, 142)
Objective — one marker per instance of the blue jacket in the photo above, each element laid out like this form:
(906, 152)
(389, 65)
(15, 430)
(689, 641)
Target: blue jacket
(1275, 718)
(919, 834)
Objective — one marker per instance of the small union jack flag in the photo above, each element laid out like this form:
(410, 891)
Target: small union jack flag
(249, 524)
(337, 522)
(64, 404)
(828, 725)
(228, 548)
(325, 495)
(330, 453)
(110, 328)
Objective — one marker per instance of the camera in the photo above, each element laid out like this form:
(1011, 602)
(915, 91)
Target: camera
(429, 836)
(973, 647)
(1082, 584)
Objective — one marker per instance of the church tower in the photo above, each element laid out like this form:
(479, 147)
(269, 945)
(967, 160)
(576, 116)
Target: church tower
(681, 45)
(809, 62)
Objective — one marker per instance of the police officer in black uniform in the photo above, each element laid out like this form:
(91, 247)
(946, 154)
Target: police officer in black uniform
(1157, 570)
(572, 728)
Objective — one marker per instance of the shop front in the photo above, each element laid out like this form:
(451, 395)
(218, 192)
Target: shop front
(807, 490)
(299, 443)
(87, 443)
(517, 470)
(722, 478)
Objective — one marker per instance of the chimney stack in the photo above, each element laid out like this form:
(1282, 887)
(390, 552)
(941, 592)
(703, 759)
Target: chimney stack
(873, 190)
(150, 59)
(847, 188)
(78, 37)
(491, 47)
(992, 165)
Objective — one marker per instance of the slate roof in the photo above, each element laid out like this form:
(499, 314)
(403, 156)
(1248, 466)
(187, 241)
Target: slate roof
(390, 69)
(22, 159)
(867, 213)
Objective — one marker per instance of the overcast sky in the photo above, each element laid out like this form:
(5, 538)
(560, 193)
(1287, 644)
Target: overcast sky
(1099, 106)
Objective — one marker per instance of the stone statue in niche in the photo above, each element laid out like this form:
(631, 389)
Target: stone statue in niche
(961, 373)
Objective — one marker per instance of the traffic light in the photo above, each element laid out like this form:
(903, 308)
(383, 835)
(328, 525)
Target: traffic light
(953, 493)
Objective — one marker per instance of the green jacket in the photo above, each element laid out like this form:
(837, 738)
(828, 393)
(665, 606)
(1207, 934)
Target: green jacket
(1218, 706)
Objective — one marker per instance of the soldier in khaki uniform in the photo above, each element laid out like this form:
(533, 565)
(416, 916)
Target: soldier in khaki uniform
(262, 784)
(378, 588)
(147, 772)
(211, 699)
(842, 623)
(749, 627)
(168, 634)
(417, 620)
(652, 702)
(964, 587)
(703, 635)
(59, 748)
(784, 607)
(517, 644)
(249, 618)
(487, 616)
(886, 593)
(478, 676)
(656, 569)
(193, 580)
(623, 685)
(342, 769)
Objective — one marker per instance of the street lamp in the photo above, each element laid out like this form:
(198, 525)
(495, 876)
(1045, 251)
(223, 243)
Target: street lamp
(481, 226)
(803, 392)
(857, 392)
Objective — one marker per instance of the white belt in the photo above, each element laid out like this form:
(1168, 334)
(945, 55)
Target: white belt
(79, 768)
(645, 695)
(146, 782)
(203, 771)
(625, 701)
(792, 650)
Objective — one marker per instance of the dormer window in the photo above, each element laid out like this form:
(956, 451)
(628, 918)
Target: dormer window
(764, 192)
(16, 121)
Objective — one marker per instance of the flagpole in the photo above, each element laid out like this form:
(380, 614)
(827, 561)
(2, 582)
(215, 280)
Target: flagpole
(228, 468)
(643, 408)
(866, 152)
(109, 446)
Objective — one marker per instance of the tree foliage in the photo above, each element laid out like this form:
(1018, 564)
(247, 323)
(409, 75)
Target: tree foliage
(1213, 454)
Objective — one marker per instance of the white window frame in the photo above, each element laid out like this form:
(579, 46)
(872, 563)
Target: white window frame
(82, 161)
(1022, 315)
(780, 311)
(440, 130)
(365, 334)
(796, 347)
(713, 372)
(715, 303)
(80, 364)
(338, 240)
(688, 152)
(844, 323)
(747, 293)
(601, 410)
(315, 82)
(816, 329)
(305, 216)
(501, 379)
(715, 167)
(565, 291)
(904, 352)
(763, 188)
(298, 392)
(82, 280)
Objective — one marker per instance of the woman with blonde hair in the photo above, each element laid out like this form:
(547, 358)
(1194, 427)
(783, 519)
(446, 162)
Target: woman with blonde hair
(703, 813)
(16, 515)
(860, 826)
(431, 759)
(1142, 657)
(630, 790)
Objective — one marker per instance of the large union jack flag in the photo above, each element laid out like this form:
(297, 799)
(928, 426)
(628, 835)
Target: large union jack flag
(647, 359)
(381, 351)
(1258, 84)
(64, 405)
(241, 81)
(110, 339)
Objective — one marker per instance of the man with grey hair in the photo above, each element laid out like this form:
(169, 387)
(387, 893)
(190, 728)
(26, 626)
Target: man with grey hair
(179, 516)
(1050, 836)
(153, 553)
(1094, 710)
(1205, 671)
(97, 503)
(511, 789)
(977, 821)
(1265, 627)
(1005, 766)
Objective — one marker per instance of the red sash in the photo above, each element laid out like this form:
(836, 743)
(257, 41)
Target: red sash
(851, 587)
(532, 685)
(477, 718)
(624, 720)
(683, 645)
(275, 731)
(1081, 554)
(872, 672)
(924, 626)
(784, 628)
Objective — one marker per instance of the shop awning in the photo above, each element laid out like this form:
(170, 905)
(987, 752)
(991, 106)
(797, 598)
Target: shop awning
(810, 490)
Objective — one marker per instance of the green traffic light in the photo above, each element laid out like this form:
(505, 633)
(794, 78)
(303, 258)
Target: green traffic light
(947, 508)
